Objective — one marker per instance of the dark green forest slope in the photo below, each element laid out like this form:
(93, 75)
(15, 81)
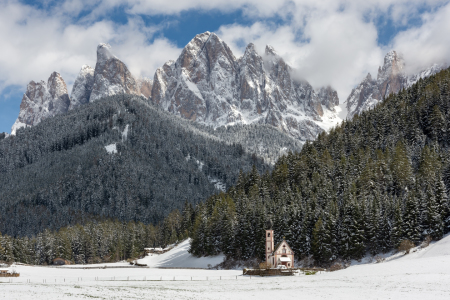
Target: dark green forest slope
(370, 183)
(60, 173)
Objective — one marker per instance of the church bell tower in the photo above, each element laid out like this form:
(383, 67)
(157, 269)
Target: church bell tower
(269, 242)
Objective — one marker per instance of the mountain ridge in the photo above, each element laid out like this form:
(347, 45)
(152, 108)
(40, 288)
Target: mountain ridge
(391, 78)
(209, 85)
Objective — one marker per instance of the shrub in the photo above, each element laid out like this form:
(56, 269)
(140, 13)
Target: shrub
(336, 266)
(379, 259)
(406, 245)
(310, 272)
(426, 242)
(265, 265)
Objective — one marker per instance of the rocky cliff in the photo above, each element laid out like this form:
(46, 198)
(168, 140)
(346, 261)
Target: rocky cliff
(208, 84)
(391, 78)
(42, 100)
(110, 76)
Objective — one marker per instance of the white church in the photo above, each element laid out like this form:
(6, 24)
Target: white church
(279, 255)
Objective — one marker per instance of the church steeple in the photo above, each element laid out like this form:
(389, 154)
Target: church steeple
(269, 242)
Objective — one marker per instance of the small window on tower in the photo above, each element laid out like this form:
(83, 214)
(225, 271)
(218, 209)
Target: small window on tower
(268, 248)
(268, 235)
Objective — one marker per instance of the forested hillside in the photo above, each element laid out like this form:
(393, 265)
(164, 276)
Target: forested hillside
(96, 241)
(119, 158)
(265, 141)
(370, 183)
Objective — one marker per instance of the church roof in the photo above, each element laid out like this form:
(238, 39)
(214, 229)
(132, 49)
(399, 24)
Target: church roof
(279, 245)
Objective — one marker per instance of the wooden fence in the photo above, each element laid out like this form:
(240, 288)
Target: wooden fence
(269, 272)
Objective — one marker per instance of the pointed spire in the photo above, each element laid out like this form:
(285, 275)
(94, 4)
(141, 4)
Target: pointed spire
(104, 52)
(270, 50)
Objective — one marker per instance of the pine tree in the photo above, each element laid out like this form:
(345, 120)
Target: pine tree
(321, 247)
(397, 233)
(435, 224)
(412, 230)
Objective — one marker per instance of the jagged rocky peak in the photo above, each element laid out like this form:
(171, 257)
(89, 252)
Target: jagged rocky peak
(270, 50)
(208, 84)
(111, 75)
(42, 100)
(328, 97)
(104, 53)
(391, 78)
(82, 87)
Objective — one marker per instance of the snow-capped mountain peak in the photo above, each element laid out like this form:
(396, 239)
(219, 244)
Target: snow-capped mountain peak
(82, 87)
(207, 84)
(210, 85)
(391, 78)
(104, 53)
(42, 100)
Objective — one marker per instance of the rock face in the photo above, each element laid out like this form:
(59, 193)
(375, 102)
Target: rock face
(82, 87)
(111, 76)
(42, 100)
(391, 79)
(208, 84)
(145, 86)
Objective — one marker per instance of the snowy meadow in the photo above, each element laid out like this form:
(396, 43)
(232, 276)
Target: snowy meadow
(422, 274)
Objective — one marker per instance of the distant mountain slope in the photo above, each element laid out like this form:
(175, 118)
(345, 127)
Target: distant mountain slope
(391, 78)
(117, 157)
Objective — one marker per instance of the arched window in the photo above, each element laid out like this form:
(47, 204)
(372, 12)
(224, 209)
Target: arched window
(268, 235)
(284, 251)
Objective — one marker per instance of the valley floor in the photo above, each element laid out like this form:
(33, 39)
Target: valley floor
(424, 274)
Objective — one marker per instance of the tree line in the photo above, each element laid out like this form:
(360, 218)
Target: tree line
(103, 240)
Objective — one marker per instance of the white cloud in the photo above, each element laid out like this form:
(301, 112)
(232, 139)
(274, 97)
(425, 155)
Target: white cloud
(330, 42)
(427, 44)
(35, 43)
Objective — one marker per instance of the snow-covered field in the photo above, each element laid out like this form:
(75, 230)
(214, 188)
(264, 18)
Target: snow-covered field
(424, 274)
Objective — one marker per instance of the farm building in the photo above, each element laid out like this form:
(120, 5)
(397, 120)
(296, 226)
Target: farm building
(154, 250)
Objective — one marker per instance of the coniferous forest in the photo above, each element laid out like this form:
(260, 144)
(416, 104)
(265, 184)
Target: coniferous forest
(372, 182)
(363, 188)
(118, 158)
